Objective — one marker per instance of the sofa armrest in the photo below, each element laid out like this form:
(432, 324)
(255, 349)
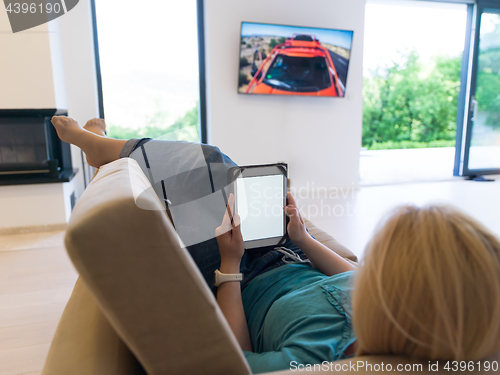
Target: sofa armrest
(144, 282)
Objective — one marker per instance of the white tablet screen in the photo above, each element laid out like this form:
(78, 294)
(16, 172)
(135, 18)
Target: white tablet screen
(260, 206)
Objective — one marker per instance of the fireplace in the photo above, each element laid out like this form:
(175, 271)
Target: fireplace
(30, 150)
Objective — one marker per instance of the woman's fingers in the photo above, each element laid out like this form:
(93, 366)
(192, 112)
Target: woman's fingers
(237, 227)
(293, 213)
(291, 200)
(293, 204)
(228, 217)
(299, 215)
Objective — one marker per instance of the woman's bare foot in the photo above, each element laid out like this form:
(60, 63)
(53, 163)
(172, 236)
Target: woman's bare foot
(67, 129)
(99, 149)
(97, 126)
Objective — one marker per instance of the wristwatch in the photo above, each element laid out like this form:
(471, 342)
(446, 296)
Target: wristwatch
(224, 277)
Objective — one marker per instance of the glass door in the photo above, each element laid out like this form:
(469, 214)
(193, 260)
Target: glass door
(481, 143)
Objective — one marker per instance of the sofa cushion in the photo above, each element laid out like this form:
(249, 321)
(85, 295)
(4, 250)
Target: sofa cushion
(330, 242)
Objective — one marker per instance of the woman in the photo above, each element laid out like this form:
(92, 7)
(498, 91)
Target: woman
(429, 288)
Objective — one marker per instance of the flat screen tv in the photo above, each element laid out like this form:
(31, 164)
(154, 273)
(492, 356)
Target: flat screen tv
(293, 60)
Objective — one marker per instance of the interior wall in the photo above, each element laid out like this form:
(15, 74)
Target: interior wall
(35, 205)
(320, 138)
(26, 79)
(49, 66)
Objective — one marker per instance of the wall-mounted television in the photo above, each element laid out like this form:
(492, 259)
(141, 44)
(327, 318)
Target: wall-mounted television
(293, 60)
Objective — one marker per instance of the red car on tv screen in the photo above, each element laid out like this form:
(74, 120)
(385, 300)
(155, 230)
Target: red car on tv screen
(298, 66)
(313, 62)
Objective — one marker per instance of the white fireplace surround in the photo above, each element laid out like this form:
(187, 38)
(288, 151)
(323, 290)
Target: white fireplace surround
(37, 68)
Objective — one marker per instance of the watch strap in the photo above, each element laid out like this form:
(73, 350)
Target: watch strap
(225, 277)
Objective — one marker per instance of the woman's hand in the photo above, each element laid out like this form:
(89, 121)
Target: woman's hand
(325, 259)
(230, 240)
(296, 227)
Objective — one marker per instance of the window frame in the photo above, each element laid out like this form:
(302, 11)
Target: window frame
(470, 69)
(464, 95)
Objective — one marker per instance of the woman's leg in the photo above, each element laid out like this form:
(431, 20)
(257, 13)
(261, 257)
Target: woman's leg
(192, 177)
(186, 174)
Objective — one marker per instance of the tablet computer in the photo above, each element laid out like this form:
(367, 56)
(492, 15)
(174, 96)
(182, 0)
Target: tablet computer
(260, 195)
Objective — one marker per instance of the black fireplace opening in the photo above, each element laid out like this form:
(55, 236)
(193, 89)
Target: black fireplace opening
(30, 150)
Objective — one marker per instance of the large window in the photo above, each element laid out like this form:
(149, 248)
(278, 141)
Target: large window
(149, 68)
(412, 63)
(412, 77)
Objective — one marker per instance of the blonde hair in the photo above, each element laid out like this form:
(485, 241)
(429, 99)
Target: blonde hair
(429, 287)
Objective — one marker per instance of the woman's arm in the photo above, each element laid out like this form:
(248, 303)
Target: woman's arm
(325, 259)
(231, 248)
(229, 300)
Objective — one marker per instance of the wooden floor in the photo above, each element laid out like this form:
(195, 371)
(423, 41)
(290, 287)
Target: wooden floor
(36, 280)
(36, 276)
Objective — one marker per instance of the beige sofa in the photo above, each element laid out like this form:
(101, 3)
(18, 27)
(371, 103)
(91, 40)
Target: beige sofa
(141, 306)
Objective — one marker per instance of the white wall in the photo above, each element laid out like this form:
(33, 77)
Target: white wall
(35, 205)
(50, 66)
(320, 138)
(26, 79)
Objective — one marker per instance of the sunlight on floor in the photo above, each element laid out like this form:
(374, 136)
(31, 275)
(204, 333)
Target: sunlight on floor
(383, 167)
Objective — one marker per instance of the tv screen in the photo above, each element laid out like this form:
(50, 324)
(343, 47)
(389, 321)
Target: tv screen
(293, 60)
